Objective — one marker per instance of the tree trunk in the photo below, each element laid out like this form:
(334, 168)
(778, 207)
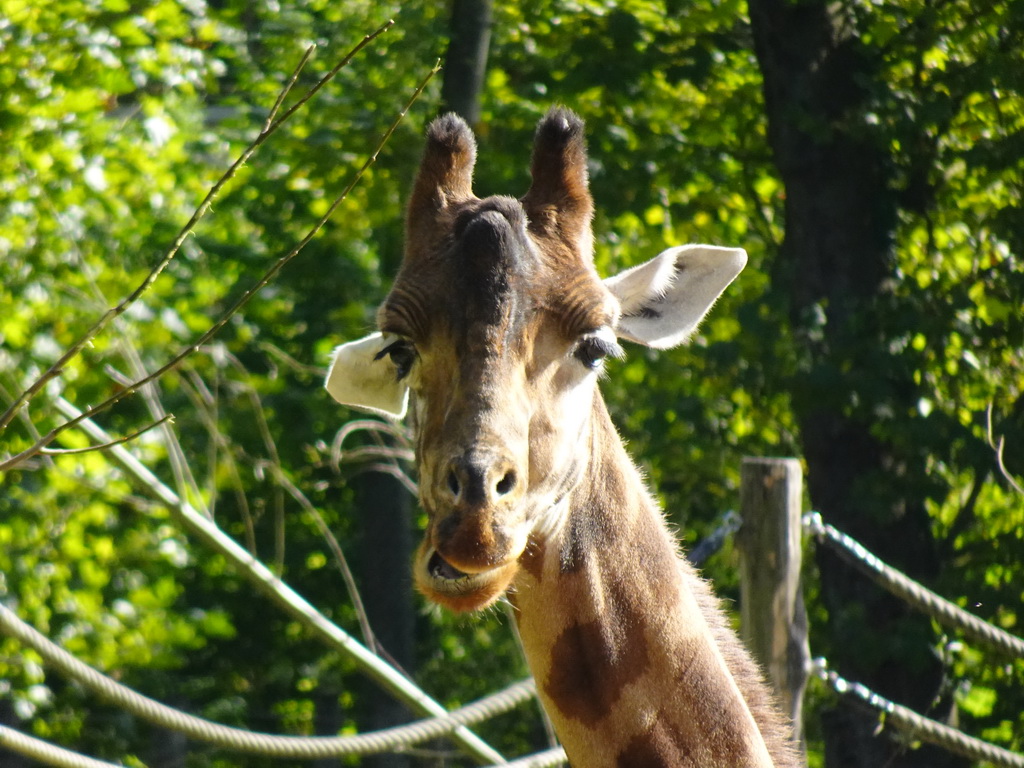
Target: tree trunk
(832, 268)
(385, 509)
(168, 749)
(466, 62)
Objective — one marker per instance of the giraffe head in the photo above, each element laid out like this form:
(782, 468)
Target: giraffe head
(494, 335)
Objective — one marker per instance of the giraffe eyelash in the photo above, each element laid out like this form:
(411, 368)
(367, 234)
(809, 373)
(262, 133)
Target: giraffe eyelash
(402, 354)
(593, 348)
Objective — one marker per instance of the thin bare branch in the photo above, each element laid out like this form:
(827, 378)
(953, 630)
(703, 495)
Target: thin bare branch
(168, 418)
(291, 84)
(989, 433)
(1002, 467)
(997, 446)
(339, 555)
(196, 390)
(395, 472)
(24, 416)
(274, 459)
(330, 75)
(377, 429)
(243, 502)
(241, 302)
(274, 351)
(376, 451)
(367, 425)
(205, 402)
(184, 479)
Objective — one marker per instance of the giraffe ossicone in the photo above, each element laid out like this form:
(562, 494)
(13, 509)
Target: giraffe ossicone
(494, 333)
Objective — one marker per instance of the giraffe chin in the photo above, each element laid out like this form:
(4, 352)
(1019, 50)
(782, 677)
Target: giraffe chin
(444, 584)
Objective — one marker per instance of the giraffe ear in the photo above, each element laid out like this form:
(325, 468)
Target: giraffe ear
(665, 299)
(362, 377)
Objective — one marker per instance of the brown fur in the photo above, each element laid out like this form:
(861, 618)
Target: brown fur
(527, 485)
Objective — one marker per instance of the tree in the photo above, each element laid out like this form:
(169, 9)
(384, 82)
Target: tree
(466, 61)
(863, 105)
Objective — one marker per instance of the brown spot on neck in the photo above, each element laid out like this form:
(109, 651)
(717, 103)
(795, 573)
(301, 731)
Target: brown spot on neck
(593, 661)
(658, 747)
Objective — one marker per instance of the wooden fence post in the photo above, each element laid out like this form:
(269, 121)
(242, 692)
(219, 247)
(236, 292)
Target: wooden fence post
(773, 619)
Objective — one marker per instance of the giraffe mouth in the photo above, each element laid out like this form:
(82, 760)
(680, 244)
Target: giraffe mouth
(440, 568)
(443, 583)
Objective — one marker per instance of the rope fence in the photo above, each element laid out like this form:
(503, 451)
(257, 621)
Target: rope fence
(917, 726)
(920, 597)
(770, 543)
(728, 524)
(305, 747)
(906, 720)
(46, 753)
(51, 754)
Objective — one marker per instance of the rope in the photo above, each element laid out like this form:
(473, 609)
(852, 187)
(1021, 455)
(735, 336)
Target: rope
(47, 753)
(918, 726)
(917, 595)
(546, 759)
(728, 524)
(389, 739)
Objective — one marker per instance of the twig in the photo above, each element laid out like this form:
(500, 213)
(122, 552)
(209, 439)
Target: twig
(376, 428)
(375, 451)
(395, 472)
(273, 456)
(369, 638)
(90, 448)
(204, 403)
(196, 390)
(998, 448)
(330, 75)
(365, 425)
(241, 302)
(291, 362)
(24, 415)
(183, 477)
(269, 122)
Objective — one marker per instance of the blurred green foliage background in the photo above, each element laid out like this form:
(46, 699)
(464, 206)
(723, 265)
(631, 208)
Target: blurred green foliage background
(116, 116)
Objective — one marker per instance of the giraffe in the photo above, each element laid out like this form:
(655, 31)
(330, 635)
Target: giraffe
(491, 342)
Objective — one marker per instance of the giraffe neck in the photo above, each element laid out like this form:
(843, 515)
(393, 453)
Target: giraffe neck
(614, 628)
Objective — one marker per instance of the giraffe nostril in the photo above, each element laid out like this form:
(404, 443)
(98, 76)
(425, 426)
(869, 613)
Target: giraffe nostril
(453, 483)
(507, 483)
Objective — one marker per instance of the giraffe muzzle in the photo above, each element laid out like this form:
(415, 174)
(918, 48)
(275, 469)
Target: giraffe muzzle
(470, 550)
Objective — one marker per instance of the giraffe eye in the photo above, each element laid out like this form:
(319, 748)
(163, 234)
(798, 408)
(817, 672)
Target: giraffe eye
(402, 354)
(593, 348)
